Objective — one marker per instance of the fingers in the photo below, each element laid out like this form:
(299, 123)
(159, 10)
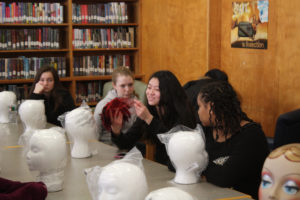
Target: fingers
(138, 103)
(38, 88)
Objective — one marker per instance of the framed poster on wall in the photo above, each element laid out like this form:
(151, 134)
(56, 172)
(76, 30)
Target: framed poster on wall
(249, 24)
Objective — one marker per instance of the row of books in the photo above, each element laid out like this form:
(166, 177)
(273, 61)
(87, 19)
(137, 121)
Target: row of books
(89, 91)
(26, 68)
(29, 13)
(99, 65)
(108, 13)
(21, 91)
(121, 37)
(37, 38)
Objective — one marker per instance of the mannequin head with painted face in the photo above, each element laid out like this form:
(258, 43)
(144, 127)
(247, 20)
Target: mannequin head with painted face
(169, 193)
(281, 174)
(7, 100)
(48, 154)
(81, 128)
(122, 181)
(187, 153)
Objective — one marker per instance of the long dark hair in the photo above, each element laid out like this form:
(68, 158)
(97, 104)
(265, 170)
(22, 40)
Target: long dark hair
(225, 105)
(55, 92)
(174, 107)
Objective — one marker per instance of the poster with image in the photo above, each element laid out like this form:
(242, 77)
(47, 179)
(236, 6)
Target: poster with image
(249, 24)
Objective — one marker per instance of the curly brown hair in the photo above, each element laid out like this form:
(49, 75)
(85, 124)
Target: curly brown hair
(225, 105)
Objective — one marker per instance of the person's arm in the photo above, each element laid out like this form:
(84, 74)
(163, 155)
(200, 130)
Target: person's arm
(37, 96)
(129, 139)
(97, 114)
(68, 102)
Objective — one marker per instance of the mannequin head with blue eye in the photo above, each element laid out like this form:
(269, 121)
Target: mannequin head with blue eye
(281, 174)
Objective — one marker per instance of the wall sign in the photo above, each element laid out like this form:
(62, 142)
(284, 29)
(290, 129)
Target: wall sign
(249, 25)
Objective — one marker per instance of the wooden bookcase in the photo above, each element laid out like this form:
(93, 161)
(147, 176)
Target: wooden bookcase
(67, 49)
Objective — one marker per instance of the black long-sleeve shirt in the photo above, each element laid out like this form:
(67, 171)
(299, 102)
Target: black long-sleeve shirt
(51, 114)
(238, 161)
(139, 129)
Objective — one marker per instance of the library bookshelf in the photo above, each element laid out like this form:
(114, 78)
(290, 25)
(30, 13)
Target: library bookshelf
(84, 40)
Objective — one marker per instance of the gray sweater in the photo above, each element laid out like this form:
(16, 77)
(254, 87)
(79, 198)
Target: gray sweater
(104, 135)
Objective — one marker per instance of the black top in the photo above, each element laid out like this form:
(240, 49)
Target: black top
(238, 161)
(51, 114)
(139, 129)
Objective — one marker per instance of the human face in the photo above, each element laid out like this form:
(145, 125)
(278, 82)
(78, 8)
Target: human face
(153, 92)
(280, 179)
(205, 114)
(47, 81)
(124, 86)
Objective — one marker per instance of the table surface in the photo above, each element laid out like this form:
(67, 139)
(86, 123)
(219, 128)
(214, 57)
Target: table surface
(14, 167)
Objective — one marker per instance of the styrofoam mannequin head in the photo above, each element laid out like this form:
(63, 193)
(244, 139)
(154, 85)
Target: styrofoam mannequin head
(47, 154)
(281, 174)
(186, 150)
(81, 127)
(32, 114)
(7, 100)
(122, 181)
(169, 193)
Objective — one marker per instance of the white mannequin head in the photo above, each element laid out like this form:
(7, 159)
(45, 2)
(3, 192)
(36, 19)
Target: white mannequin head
(48, 154)
(122, 181)
(32, 114)
(7, 100)
(169, 193)
(187, 152)
(81, 127)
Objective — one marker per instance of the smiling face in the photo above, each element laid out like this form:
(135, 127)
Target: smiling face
(280, 179)
(47, 81)
(124, 86)
(153, 92)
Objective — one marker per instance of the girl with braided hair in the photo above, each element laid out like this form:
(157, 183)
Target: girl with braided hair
(236, 146)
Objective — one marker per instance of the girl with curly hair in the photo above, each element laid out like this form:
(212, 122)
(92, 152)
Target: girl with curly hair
(236, 146)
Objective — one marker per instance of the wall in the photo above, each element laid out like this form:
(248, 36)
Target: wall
(267, 80)
(175, 37)
(187, 37)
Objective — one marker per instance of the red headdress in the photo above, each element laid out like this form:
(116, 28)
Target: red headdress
(115, 105)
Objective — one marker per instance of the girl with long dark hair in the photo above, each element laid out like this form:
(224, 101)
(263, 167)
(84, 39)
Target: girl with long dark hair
(167, 106)
(57, 99)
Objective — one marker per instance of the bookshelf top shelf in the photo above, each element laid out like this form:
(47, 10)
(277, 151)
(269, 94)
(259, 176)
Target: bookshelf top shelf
(33, 50)
(33, 25)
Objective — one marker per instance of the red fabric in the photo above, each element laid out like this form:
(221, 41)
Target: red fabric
(15, 190)
(114, 106)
